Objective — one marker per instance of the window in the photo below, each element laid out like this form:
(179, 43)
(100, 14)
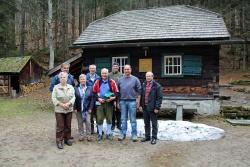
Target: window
(172, 65)
(122, 61)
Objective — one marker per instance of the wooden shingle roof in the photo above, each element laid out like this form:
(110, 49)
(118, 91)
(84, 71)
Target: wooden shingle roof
(167, 23)
(57, 68)
(13, 64)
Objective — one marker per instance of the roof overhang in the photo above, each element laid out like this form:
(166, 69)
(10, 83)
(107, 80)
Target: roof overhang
(57, 68)
(166, 43)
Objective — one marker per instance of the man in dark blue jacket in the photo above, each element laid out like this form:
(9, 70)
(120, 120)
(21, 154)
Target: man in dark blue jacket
(91, 78)
(151, 99)
(55, 80)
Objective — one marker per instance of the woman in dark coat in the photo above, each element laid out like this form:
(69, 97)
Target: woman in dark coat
(83, 106)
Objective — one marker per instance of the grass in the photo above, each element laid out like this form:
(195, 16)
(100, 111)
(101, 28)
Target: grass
(22, 107)
(241, 82)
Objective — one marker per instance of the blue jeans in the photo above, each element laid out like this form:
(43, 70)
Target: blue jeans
(128, 108)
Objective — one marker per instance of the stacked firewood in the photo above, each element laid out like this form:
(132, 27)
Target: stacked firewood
(27, 89)
(185, 90)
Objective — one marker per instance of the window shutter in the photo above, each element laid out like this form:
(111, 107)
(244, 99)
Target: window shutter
(192, 65)
(102, 62)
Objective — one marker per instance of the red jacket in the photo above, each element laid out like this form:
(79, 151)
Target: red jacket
(112, 86)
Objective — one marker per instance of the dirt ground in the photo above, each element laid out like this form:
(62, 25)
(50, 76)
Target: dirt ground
(30, 141)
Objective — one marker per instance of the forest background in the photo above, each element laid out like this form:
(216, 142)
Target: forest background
(24, 25)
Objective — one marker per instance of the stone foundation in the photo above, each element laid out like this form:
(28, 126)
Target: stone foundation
(202, 107)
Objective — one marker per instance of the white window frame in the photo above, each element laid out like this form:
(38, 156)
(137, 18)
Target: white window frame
(165, 65)
(121, 66)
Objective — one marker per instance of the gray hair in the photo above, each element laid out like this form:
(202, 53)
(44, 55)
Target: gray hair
(63, 73)
(150, 72)
(104, 69)
(92, 65)
(82, 76)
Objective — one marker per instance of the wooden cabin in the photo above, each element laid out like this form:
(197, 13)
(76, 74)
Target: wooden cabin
(16, 72)
(179, 44)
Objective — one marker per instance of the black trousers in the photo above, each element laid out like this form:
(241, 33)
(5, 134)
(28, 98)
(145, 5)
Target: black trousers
(116, 118)
(150, 116)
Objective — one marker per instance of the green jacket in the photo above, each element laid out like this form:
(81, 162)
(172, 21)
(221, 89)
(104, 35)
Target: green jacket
(115, 76)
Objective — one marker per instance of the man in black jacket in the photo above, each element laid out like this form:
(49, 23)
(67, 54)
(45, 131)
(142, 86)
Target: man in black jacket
(151, 99)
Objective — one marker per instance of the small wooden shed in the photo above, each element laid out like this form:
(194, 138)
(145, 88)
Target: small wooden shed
(16, 72)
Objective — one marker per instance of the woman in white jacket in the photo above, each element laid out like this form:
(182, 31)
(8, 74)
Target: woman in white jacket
(63, 97)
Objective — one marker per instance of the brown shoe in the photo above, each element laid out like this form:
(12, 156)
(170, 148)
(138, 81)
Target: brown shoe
(89, 139)
(81, 138)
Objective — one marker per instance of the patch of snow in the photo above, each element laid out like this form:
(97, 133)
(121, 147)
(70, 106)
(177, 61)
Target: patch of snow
(179, 131)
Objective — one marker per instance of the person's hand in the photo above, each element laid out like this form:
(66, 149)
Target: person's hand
(89, 110)
(64, 106)
(110, 99)
(68, 104)
(156, 111)
(101, 100)
(140, 109)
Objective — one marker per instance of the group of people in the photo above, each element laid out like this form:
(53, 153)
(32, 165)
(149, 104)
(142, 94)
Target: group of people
(112, 96)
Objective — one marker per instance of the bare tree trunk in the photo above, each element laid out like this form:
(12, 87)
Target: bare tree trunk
(236, 22)
(80, 16)
(247, 52)
(50, 36)
(130, 4)
(56, 25)
(147, 3)
(43, 29)
(95, 6)
(84, 20)
(243, 29)
(73, 20)
(22, 35)
(159, 3)
(244, 61)
(65, 25)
